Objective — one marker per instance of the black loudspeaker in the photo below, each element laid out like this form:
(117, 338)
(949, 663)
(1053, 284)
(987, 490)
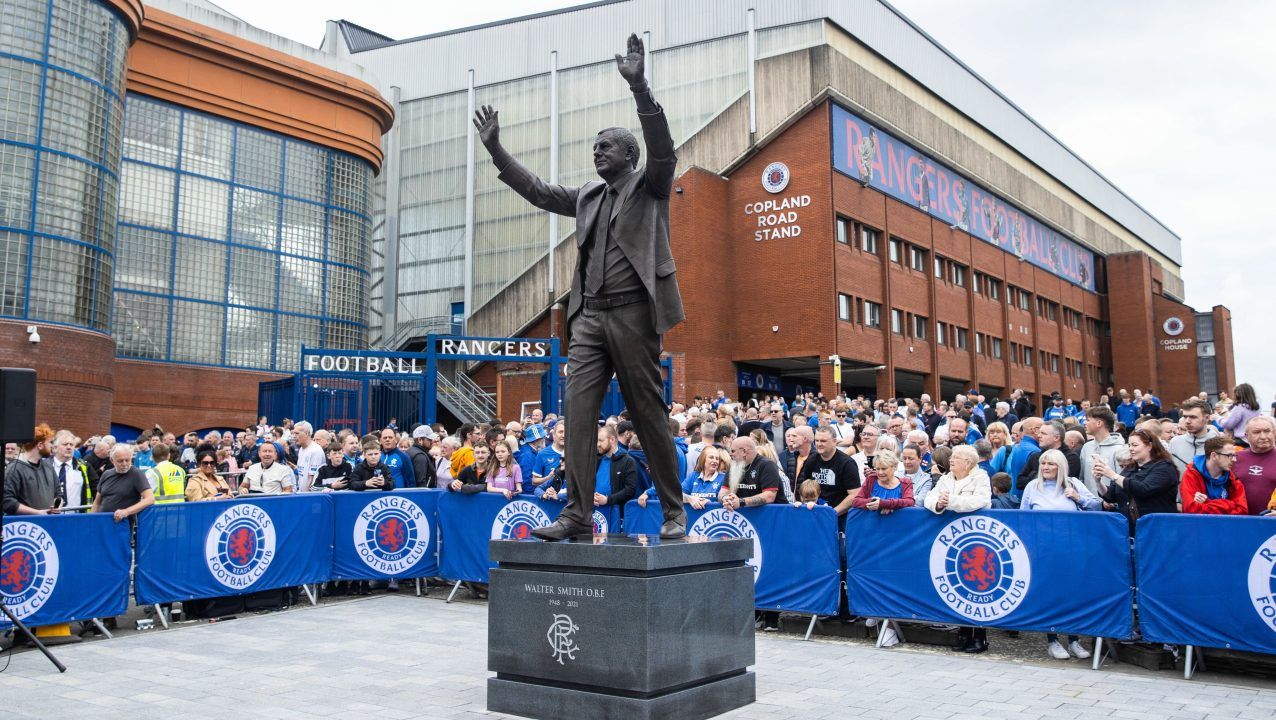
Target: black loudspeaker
(17, 405)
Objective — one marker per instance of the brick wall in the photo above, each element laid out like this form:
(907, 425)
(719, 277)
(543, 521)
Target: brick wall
(75, 373)
(179, 398)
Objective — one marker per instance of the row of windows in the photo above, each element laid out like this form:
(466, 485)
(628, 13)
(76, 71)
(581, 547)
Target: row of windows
(950, 270)
(869, 314)
(986, 285)
(901, 252)
(236, 246)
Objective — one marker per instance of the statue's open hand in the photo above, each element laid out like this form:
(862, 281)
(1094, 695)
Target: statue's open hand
(489, 128)
(631, 64)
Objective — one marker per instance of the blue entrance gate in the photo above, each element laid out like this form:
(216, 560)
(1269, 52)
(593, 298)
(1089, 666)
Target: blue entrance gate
(363, 389)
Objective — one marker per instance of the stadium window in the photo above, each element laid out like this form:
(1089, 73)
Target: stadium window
(919, 326)
(917, 258)
(868, 240)
(844, 231)
(996, 347)
(897, 321)
(1027, 356)
(894, 250)
(939, 334)
(872, 314)
(960, 335)
(1025, 300)
(979, 343)
(844, 307)
(975, 283)
(939, 267)
(994, 288)
(958, 274)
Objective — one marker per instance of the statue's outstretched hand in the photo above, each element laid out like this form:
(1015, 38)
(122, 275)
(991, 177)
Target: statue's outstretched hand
(631, 64)
(488, 126)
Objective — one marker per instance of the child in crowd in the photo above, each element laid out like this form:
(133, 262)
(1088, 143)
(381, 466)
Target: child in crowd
(504, 476)
(371, 473)
(809, 495)
(1001, 497)
(336, 474)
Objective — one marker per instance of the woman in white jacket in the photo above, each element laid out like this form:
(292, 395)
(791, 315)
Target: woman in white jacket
(964, 488)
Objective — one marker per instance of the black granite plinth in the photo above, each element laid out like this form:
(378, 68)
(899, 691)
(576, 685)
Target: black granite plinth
(620, 627)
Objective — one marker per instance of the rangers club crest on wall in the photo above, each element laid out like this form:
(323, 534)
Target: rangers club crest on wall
(776, 177)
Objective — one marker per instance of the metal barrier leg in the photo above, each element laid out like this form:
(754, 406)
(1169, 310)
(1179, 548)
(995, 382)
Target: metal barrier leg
(163, 618)
(1188, 662)
(811, 628)
(101, 628)
(418, 587)
(310, 594)
(1098, 654)
(452, 594)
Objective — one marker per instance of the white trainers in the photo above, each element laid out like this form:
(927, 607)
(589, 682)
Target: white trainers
(870, 622)
(1056, 650)
(1077, 650)
(889, 637)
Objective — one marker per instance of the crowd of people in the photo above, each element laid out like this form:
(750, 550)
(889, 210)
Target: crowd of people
(1124, 453)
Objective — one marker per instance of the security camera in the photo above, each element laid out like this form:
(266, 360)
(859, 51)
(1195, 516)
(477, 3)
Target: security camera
(33, 334)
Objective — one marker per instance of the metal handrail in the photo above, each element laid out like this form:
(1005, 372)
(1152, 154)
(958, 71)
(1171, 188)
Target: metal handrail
(462, 402)
(420, 327)
(481, 396)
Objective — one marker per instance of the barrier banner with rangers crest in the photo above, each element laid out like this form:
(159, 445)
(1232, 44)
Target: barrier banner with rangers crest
(795, 557)
(469, 522)
(62, 568)
(385, 535)
(187, 551)
(1036, 571)
(1207, 580)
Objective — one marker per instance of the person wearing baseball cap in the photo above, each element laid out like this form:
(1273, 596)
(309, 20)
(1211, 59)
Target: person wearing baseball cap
(423, 437)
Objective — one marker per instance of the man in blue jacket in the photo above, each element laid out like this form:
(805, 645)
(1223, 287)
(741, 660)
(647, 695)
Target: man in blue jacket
(1024, 451)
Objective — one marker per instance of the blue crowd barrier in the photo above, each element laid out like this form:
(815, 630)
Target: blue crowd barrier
(63, 568)
(1207, 581)
(469, 522)
(209, 549)
(1036, 571)
(795, 556)
(378, 536)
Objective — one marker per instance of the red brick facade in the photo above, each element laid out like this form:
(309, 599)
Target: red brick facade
(83, 387)
(760, 301)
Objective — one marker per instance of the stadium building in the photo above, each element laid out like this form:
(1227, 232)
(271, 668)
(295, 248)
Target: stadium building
(189, 200)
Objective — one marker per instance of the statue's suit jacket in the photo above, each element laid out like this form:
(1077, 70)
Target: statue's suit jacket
(639, 217)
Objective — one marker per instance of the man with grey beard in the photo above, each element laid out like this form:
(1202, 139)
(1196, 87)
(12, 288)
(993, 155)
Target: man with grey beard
(752, 480)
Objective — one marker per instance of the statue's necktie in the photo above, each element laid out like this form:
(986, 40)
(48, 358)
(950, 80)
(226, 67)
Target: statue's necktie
(597, 267)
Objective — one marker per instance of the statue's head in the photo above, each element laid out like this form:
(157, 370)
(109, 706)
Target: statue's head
(616, 152)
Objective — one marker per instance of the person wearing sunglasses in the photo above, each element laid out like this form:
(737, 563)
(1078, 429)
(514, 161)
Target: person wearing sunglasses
(205, 483)
(1209, 487)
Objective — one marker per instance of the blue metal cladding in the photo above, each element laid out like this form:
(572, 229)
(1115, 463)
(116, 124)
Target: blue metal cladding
(63, 64)
(264, 241)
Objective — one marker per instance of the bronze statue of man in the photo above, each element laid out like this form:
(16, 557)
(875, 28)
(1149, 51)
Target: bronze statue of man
(624, 294)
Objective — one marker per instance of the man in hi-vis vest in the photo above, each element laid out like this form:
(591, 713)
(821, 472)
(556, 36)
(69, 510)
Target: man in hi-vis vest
(167, 480)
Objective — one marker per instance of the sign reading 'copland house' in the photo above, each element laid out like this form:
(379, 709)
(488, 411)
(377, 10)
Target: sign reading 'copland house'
(883, 162)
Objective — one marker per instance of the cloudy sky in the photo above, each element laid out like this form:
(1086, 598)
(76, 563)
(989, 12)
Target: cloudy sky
(1170, 101)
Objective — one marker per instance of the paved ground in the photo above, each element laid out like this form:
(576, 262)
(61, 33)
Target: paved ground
(343, 659)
